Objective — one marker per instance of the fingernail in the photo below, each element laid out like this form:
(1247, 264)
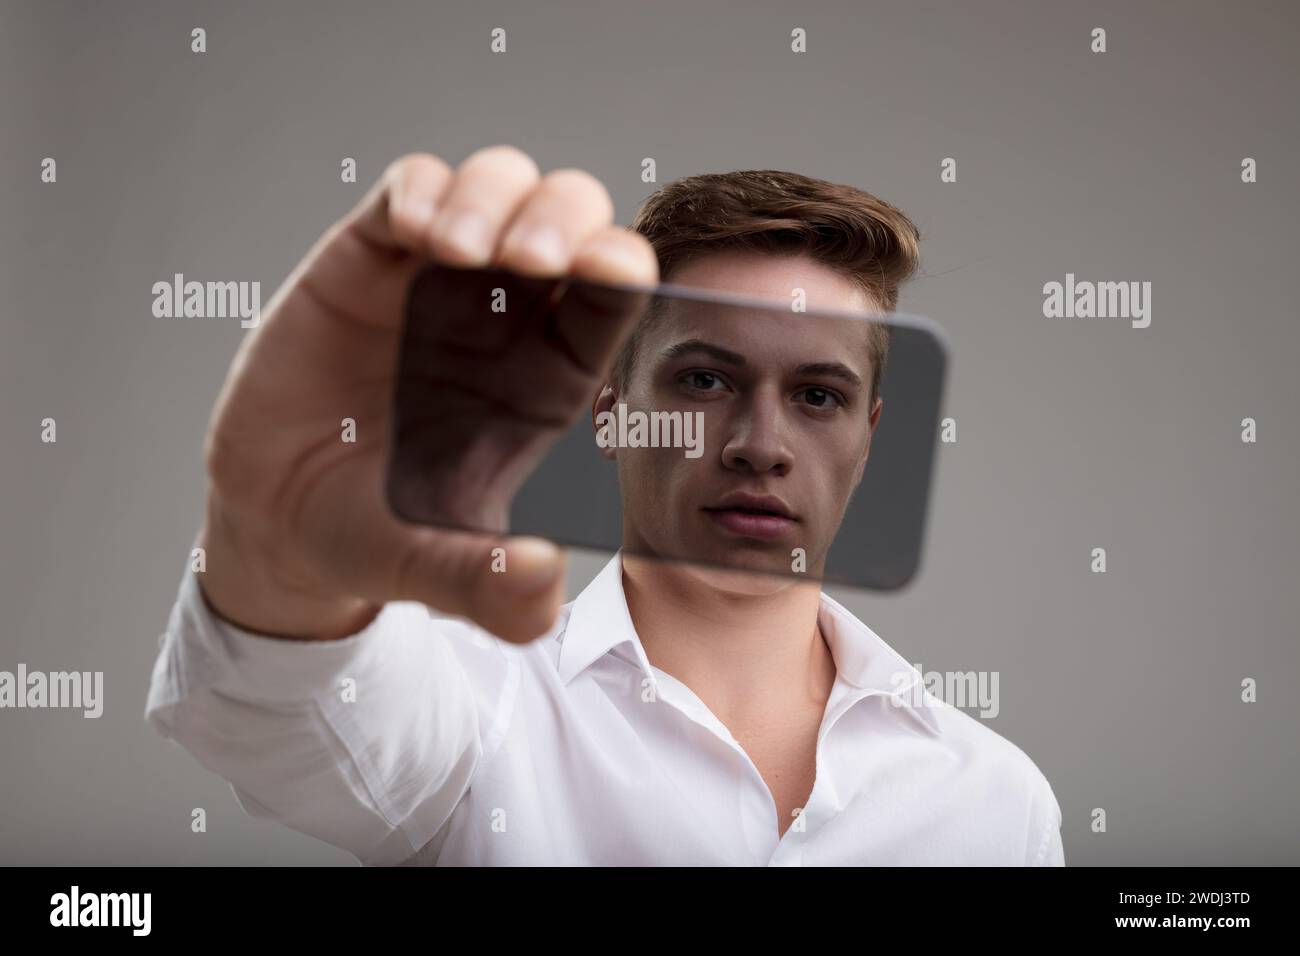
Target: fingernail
(546, 244)
(418, 211)
(468, 233)
(531, 565)
(628, 262)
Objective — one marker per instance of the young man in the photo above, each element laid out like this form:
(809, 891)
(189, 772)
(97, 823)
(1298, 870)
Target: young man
(672, 714)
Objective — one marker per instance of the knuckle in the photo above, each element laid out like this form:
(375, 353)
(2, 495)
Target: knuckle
(412, 166)
(213, 456)
(398, 168)
(643, 247)
(502, 158)
(580, 183)
(629, 247)
(624, 238)
(226, 465)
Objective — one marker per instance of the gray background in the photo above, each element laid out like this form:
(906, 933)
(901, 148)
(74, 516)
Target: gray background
(1072, 434)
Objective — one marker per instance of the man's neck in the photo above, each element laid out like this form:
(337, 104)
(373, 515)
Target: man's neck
(749, 658)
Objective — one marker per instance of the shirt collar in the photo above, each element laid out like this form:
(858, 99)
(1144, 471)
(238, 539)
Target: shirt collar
(599, 623)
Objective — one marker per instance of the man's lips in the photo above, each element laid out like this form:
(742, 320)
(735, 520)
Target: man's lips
(751, 524)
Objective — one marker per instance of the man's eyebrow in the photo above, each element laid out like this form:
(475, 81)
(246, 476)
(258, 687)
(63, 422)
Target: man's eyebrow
(708, 348)
(834, 369)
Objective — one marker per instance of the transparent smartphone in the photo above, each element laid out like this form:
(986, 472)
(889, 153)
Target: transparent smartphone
(672, 422)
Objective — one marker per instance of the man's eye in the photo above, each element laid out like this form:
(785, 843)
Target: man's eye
(822, 398)
(702, 380)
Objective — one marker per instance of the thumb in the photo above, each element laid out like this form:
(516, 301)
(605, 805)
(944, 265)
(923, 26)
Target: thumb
(512, 587)
(521, 593)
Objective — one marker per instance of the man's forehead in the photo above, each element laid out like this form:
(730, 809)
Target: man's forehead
(762, 337)
(773, 275)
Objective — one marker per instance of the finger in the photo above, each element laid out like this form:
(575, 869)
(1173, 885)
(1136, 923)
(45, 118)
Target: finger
(359, 270)
(512, 587)
(593, 320)
(522, 602)
(345, 521)
(558, 216)
(616, 255)
(395, 215)
(488, 186)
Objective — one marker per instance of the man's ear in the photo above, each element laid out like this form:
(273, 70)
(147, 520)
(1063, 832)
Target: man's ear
(604, 422)
(874, 420)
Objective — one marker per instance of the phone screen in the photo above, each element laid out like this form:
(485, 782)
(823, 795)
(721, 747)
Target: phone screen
(677, 423)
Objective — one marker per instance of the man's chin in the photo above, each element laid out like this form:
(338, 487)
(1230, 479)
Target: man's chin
(744, 572)
(724, 566)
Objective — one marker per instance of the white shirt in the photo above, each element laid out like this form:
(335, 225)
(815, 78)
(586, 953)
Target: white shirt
(424, 740)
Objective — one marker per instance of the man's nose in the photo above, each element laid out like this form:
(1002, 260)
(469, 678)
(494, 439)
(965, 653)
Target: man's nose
(758, 436)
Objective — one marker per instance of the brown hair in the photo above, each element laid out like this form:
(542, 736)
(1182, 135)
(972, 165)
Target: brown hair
(864, 238)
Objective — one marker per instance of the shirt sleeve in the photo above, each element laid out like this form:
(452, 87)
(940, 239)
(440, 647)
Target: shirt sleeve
(367, 742)
(1047, 850)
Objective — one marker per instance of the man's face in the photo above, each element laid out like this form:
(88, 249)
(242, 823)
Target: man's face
(786, 416)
